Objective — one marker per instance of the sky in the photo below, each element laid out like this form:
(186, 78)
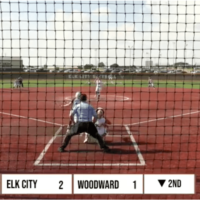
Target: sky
(71, 33)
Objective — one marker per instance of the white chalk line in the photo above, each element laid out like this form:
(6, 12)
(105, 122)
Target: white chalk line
(142, 161)
(110, 135)
(90, 164)
(37, 162)
(42, 154)
(142, 122)
(86, 164)
(135, 145)
(157, 119)
(31, 118)
(123, 98)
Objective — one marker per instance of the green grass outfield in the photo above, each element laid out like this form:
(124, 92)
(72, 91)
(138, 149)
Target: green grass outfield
(119, 83)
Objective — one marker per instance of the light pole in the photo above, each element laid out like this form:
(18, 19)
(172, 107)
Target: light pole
(159, 59)
(133, 60)
(130, 48)
(173, 54)
(40, 62)
(186, 52)
(96, 58)
(194, 60)
(148, 60)
(83, 63)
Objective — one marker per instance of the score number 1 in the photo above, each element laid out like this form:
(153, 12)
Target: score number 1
(134, 183)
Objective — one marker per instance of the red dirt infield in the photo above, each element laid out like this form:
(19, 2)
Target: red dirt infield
(151, 132)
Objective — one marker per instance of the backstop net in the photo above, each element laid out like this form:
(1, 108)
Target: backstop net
(137, 62)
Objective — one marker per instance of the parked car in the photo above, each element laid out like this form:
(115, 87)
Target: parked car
(171, 72)
(88, 71)
(180, 72)
(107, 70)
(126, 71)
(53, 70)
(141, 71)
(71, 71)
(115, 71)
(163, 72)
(41, 70)
(95, 71)
(30, 70)
(196, 72)
(81, 71)
(61, 70)
(138, 70)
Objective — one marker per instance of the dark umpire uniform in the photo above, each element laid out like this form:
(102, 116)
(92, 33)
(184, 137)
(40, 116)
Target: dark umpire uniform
(84, 112)
(20, 81)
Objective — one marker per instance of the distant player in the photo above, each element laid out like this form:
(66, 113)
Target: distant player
(151, 83)
(98, 89)
(89, 82)
(16, 84)
(110, 78)
(120, 74)
(21, 81)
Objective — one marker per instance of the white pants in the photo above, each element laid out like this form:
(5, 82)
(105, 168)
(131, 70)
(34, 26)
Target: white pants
(17, 85)
(151, 85)
(98, 91)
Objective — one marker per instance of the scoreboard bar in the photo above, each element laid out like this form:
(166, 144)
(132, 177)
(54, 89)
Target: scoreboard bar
(97, 184)
(36, 184)
(108, 184)
(169, 184)
(0, 184)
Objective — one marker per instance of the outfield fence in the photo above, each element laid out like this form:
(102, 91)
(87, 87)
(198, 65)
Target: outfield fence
(103, 76)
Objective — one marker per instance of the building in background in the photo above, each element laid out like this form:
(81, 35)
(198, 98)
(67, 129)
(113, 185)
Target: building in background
(149, 64)
(11, 63)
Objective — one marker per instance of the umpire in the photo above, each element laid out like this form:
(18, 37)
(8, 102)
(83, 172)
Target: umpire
(84, 112)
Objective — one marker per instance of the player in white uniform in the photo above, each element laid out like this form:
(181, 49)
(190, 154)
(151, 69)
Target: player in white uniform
(16, 84)
(110, 77)
(151, 83)
(100, 125)
(98, 89)
(73, 103)
(120, 74)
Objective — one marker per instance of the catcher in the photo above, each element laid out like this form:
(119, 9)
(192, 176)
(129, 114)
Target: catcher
(101, 125)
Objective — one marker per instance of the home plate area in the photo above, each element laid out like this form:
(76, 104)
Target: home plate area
(124, 151)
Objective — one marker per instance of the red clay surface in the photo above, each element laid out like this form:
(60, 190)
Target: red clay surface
(163, 122)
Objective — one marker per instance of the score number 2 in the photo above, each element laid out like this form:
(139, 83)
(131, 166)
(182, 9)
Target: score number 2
(61, 184)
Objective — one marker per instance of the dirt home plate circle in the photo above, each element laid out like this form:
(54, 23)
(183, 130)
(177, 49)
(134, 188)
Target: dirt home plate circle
(103, 98)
